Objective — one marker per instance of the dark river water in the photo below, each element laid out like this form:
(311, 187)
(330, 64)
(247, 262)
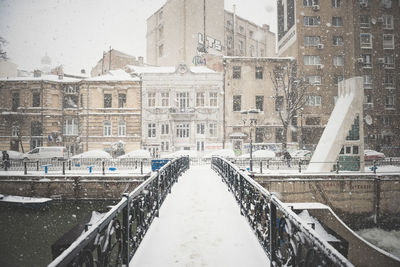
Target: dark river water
(26, 234)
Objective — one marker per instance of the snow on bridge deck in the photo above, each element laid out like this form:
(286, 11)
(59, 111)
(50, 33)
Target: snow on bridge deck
(200, 225)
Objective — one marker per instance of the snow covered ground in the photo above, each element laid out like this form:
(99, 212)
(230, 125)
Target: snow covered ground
(386, 240)
(200, 225)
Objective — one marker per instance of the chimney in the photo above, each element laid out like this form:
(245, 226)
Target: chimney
(140, 59)
(83, 71)
(37, 73)
(60, 76)
(266, 27)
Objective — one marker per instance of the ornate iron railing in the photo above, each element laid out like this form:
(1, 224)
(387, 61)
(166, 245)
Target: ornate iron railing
(115, 238)
(285, 238)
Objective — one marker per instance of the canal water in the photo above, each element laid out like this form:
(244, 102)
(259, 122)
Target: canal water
(26, 234)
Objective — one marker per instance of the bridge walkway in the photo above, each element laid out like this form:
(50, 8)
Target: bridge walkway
(200, 225)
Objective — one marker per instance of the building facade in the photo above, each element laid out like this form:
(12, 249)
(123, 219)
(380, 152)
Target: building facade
(251, 108)
(182, 109)
(50, 110)
(175, 34)
(336, 40)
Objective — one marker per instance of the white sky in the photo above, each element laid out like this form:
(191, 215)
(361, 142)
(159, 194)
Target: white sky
(76, 32)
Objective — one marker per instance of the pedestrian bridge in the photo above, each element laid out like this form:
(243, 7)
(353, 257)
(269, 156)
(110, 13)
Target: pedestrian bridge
(215, 216)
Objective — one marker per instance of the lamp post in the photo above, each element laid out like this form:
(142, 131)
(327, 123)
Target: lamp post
(251, 114)
(301, 128)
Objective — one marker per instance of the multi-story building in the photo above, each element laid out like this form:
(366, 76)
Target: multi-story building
(182, 108)
(114, 60)
(175, 34)
(111, 111)
(50, 110)
(249, 87)
(336, 40)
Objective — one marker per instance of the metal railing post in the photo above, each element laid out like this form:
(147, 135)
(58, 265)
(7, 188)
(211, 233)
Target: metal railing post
(337, 166)
(63, 168)
(37, 165)
(268, 164)
(300, 166)
(141, 167)
(25, 168)
(125, 231)
(261, 166)
(374, 167)
(103, 167)
(69, 165)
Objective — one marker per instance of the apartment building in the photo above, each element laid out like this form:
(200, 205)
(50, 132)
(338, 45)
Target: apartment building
(251, 109)
(182, 108)
(336, 40)
(175, 34)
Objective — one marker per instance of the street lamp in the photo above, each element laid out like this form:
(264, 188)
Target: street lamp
(301, 128)
(250, 115)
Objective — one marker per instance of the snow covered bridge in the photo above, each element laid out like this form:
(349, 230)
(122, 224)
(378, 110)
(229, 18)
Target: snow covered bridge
(200, 224)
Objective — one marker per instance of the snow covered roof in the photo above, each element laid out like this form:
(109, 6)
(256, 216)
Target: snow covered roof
(93, 154)
(222, 153)
(140, 153)
(180, 153)
(43, 77)
(260, 154)
(259, 58)
(150, 70)
(114, 75)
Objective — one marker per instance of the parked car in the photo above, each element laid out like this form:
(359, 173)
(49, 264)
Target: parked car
(15, 155)
(301, 154)
(370, 155)
(49, 152)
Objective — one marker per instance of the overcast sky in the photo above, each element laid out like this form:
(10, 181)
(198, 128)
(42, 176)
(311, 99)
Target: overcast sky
(76, 32)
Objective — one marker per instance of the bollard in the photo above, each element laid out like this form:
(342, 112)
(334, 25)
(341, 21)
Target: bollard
(300, 166)
(337, 166)
(69, 165)
(141, 167)
(63, 170)
(103, 167)
(25, 168)
(374, 167)
(390, 161)
(261, 166)
(37, 165)
(268, 164)
(135, 164)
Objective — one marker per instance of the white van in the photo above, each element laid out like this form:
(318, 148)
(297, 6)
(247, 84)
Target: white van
(47, 152)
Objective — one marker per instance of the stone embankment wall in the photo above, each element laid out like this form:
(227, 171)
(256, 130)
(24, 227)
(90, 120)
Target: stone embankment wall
(355, 199)
(90, 187)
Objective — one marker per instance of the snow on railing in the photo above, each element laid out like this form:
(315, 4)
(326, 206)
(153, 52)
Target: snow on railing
(286, 239)
(110, 242)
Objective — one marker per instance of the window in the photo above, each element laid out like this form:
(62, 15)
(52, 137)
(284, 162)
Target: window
(200, 145)
(336, 3)
(164, 146)
(200, 128)
(229, 24)
(386, 120)
(389, 80)
(151, 99)
(310, 2)
(35, 99)
(259, 135)
(337, 79)
(312, 40)
(310, 21)
(14, 131)
(261, 52)
(313, 121)
(366, 40)
(71, 127)
(213, 99)
(161, 50)
(121, 100)
(314, 80)
(389, 102)
(107, 100)
(259, 73)
(389, 61)
(165, 99)
(237, 103)
(251, 50)
(251, 33)
(164, 128)
(337, 21)
(229, 42)
(366, 59)
(386, 3)
(260, 102)
(121, 128)
(160, 32)
(213, 129)
(278, 103)
(311, 60)
(240, 46)
(15, 101)
(365, 21)
(183, 100)
(107, 128)
(388, 41)
(364, 3)
(314, 100)
(387, 22)
(182, 130)
(367, 78)
(236, 72)
(338, 41)
(338, 60)
(200, 99)
(151, 130)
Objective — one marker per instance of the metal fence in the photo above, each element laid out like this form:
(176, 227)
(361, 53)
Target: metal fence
(285, 238)
(115, 238)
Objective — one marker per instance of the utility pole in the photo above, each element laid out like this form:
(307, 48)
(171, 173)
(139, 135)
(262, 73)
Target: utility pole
(102, 64)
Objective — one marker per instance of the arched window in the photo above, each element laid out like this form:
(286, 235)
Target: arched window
(121, 128)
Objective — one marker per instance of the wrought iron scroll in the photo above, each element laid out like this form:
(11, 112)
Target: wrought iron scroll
(284, 237)
(112, 243)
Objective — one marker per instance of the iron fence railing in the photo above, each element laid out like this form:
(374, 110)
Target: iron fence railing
(115, 238)
(285, 238)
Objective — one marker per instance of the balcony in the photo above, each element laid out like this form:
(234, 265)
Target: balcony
(182, 113)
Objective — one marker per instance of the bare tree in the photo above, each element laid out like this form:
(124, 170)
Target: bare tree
(290, 94)
(3, 54)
